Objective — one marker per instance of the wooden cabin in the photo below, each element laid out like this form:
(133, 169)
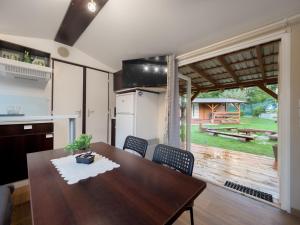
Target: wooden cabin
(216, 111)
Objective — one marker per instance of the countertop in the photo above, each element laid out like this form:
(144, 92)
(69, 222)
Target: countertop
(33, 119)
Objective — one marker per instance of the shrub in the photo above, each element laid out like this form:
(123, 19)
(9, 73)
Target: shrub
(258, 110)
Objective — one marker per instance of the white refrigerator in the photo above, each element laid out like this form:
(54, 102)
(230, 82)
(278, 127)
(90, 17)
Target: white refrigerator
(137, 115)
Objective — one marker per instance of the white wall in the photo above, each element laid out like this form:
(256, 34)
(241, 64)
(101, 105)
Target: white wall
(10, 86)
(51, 46)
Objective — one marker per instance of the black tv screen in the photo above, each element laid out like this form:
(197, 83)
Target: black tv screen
(144, 72)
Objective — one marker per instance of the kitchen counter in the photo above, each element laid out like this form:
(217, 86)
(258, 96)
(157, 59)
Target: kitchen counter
(6, 120)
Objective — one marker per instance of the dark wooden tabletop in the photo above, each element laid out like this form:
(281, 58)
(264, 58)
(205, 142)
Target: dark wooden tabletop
(138, 192)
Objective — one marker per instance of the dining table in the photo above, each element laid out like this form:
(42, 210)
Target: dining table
(139, 192)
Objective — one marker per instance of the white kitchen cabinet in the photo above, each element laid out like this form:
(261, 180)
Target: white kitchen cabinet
(97, 112)
(67, 99)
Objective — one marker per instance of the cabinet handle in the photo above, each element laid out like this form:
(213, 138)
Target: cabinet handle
(90, 112)
(49, 135)
(27, 127)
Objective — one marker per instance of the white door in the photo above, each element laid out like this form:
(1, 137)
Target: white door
(97, 105)
(67, 99)
(124, 127)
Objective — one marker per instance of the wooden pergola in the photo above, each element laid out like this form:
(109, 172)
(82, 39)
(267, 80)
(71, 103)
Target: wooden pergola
(254, 66)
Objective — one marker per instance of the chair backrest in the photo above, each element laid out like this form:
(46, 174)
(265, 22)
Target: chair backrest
(175, 158)
(5, 205)
(136, 144)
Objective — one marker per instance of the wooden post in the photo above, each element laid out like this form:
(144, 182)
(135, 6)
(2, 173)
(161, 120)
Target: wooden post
(239, 111)
(212, 112)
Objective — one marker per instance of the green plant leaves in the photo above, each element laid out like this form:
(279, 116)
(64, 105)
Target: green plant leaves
(81, 143)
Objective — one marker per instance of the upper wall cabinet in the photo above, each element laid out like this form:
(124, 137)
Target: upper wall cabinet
(24, 63)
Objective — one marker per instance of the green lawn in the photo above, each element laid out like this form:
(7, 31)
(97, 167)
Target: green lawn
(258, 147)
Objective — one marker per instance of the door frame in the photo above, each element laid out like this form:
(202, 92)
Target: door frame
(188, 110)
(284, 142)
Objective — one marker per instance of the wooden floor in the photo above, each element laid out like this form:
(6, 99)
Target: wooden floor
(215, 206)
(217, 165)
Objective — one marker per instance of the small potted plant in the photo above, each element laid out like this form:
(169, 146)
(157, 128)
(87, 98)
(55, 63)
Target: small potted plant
(83, 143)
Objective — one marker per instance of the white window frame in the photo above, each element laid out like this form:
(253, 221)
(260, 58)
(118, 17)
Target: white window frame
(188, 110)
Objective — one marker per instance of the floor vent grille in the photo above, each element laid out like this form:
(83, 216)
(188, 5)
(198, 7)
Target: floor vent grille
(249, 191)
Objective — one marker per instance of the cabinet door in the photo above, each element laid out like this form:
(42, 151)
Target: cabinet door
(13, 159)
(67, 100)
(97, 105)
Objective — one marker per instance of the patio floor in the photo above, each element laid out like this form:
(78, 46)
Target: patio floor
(218, 165)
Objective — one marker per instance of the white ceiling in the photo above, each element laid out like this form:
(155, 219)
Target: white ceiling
(126, 29)
(32, 18)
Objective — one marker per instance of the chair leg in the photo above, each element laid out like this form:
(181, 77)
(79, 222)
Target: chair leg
(191, 215)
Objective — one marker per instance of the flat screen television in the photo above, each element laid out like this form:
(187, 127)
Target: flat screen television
(144, 72)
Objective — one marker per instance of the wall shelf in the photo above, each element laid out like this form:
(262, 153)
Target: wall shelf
(24, 70)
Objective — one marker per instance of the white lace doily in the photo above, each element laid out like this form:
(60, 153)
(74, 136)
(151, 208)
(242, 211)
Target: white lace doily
(73, 172)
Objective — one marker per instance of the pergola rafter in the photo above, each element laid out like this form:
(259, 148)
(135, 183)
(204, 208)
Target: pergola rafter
(203, 74)
(268, 91)
(253, 66)
(241, 85)
(228, 68)
(195, 95)
(260, 61)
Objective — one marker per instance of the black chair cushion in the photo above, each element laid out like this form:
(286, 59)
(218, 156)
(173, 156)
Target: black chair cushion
(5, 205)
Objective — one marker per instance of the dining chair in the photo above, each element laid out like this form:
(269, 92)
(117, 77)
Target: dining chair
(178, 159)
(136, 145)
(5, 205)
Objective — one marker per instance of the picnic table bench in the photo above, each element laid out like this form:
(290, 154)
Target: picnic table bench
(248, 131)
(245, 138)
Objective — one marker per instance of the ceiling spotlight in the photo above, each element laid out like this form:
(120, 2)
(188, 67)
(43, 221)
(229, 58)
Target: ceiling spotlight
(166, 69)
(146, 68)
(156, 69)
(92, 6)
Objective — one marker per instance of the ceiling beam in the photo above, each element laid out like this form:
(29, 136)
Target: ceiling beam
(260, 61)
(228, 68)
(268, 91)
(201, 73)
(242, 70)
(76, 20)
(240, 85)
(241, 76)
(197, 86)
